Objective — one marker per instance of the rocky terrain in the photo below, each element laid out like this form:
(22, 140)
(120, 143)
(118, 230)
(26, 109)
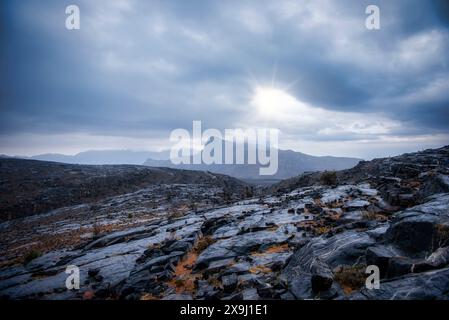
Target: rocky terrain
(32, 187)
(310, 237)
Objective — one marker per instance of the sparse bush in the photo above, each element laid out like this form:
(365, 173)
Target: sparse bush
(322, 230)
(328, 178)
(227, 194)
(179, 282)
(350, 277)
(96, 229)
(248, 192)
(203, 243)
(31, 255)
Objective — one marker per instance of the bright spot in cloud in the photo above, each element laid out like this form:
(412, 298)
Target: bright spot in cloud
(277, 108)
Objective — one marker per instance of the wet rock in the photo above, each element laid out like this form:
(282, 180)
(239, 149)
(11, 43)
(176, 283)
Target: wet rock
(356, 204)
(398, 266)
(439, 258)
(417, 229)
(434, 184)
(234, 296)
(322, 276)
(93, 272)
(301, 287)
(250, 294)
(345, 248)
(229, 282)
(407, 200)
(179, 246)
(178, 296)
(380, 256)
(430, 285)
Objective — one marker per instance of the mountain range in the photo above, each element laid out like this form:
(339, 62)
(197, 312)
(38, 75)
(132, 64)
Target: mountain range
(290, 163)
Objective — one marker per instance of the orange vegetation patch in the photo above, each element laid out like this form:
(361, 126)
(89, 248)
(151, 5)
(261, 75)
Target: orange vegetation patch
(148, 296)
(260, 269)
(273, 228)
(203, 243)
(322, 230)
(184, 279)
(273, 249)
(15, 253)
(350, 278)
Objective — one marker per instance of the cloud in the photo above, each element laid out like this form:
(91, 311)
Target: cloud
(143, 68)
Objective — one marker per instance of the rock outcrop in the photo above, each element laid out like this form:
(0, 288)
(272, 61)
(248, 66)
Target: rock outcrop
(300, 241)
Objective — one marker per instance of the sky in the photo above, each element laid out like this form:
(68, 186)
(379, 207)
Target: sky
(136, 70)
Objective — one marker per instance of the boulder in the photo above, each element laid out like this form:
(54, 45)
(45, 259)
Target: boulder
(322, 276)
(380, 256)
(421, 229)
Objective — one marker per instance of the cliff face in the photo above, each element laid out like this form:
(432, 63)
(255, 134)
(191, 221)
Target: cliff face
(301, 239)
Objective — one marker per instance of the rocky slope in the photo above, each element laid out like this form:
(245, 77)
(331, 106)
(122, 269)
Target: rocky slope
(301, 240)
(31, 187)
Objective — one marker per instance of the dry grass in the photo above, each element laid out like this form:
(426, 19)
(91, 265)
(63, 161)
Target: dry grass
(369, 215)
(351, 278)
(259, 269)
(203, 243)
(273, 249)
(147, 297)
(184, 279)
(373, 216)
(183, 276)
(322, 230)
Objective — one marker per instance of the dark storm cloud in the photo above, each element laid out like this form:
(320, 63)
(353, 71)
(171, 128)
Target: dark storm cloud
(157, 65)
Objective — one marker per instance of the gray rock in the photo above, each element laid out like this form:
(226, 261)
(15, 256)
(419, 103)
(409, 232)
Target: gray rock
(229, 282)
(430, 285)
(380, 256)
(417, 229)
(439, 258)
(178, 296)
(322, 276)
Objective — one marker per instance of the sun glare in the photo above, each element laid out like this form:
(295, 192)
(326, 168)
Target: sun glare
(271, 102)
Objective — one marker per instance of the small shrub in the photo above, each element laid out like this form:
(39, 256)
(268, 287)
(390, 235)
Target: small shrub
(328, 178)
(130, 215)
(179, 282)
(248, 192)
(203, 243)
(31, 255)
(322, 230)
(96, 229)
(350, 277)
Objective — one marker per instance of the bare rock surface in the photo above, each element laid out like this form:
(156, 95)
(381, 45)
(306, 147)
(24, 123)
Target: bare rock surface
(197, 240)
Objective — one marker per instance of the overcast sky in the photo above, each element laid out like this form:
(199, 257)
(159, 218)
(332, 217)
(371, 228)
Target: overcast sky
(136, 70)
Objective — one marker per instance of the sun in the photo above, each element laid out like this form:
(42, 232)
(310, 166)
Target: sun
(271, 102)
